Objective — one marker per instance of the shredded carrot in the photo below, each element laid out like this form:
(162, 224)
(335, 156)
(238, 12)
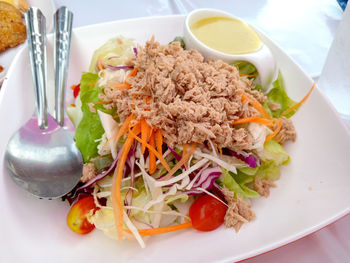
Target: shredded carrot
(73, 87)
(220, 150)
(101, 102)
(276, 131)
(99, 64)
(133, 73)
(116, 185)
(162, 230)
(146, 132)
(185, 156)
(255, 104)
(93, 84)
(121, 86)
(296, 106)
(256, 119)
(73, 105)
(152, 158)
(159, 141)
(122, 130)
(249, 75)
(151, 149)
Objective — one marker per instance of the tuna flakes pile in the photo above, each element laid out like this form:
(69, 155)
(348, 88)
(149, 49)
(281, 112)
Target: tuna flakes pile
(188, 98)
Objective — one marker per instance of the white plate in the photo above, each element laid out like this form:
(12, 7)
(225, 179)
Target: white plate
(48, 8)
(313, 190)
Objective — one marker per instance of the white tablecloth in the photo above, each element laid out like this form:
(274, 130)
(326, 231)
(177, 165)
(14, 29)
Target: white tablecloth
(304, 29)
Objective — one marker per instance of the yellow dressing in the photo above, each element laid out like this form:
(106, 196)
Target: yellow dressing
(226, 34)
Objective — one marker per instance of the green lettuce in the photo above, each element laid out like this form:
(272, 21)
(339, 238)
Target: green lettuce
(275, 152)
(237, 183)
(278, 95)
(115, 51)
(90, 128)
(272, 157)
(245, 68)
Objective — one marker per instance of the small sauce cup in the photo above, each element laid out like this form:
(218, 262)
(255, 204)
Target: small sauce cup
(262, 58)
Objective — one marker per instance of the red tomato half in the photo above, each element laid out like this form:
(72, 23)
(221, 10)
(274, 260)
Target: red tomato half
(77, 216)
(207, 213)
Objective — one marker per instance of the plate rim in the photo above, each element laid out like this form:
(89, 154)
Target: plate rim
(252, 253)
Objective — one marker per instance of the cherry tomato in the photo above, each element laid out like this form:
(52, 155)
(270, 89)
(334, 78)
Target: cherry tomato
(76, 90)
(207, 213)
(77, 216)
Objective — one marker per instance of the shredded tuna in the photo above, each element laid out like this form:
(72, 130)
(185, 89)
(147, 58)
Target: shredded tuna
(92, 107)
(262, 187)
(89, 172)
(238, 211)
(287, 131)
(193, 100)
(274, 106)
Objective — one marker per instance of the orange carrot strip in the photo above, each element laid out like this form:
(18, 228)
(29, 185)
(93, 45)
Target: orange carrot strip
(133, 73)
(255, 119)
(276, 131)
(122, 130)
(249, 75)
(255, 104)
(162, 230)
(101, 102)
(296, 106)
(152, 158)
(220, 150)
(73, 105)
(146, 132)
(99, 64)
(159, 141)
(151, 149)
(185, 156)
(93, 84)
(116, 184)
(121, 86)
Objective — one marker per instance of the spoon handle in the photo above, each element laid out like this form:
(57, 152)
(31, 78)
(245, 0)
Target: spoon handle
(63, 19)
(36, 34)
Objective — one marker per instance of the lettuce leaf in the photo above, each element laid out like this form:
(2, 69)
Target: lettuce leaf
(90, 128)
(237, 183)
(115, 51)
(275, 152)
(278, 95)
(245, 67)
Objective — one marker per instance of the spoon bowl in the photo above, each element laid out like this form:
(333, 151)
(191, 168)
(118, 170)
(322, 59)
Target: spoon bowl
(46, 163)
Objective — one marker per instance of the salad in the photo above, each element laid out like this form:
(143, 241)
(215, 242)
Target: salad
(173, 141)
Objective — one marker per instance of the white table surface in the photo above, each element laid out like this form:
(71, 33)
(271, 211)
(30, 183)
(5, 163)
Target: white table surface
(304, 29)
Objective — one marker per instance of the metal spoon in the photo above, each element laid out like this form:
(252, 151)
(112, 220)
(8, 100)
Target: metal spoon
(41, 157)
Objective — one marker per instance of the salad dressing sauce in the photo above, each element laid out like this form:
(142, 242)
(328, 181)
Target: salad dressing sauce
(226, 34)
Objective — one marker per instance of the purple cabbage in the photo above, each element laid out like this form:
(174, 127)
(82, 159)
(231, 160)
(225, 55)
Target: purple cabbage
(249, 158)
(135, 51)
(176, 155)
(118, 67)
(206, 180)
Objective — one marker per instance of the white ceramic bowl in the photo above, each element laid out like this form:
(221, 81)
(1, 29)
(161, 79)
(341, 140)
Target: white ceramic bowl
(262, 59)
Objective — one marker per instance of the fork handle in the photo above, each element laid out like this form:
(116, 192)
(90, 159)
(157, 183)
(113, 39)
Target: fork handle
(36, 35)
(63, 20)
